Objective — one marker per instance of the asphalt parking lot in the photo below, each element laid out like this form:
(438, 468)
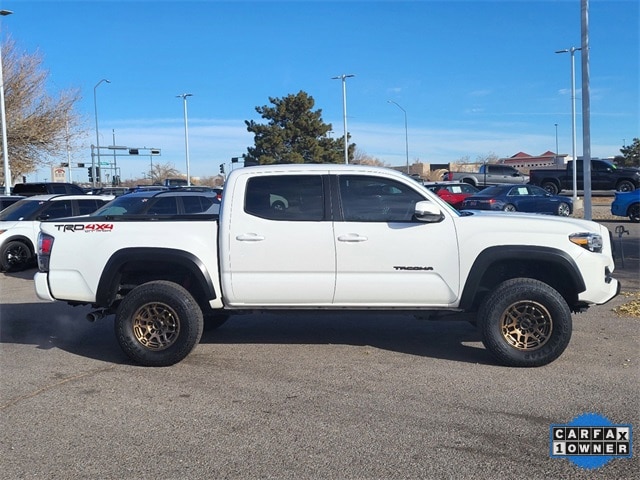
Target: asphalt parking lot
(349, 396)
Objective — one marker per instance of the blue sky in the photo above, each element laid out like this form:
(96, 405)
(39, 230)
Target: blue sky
(475, 77)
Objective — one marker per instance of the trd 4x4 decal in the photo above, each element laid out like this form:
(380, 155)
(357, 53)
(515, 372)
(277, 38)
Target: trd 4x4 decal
(91, 227)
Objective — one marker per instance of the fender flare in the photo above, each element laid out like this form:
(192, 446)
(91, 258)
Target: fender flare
(110, 277)
(528, 253)
(21, 238)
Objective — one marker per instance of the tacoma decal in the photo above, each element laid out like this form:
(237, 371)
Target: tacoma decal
(413, 268)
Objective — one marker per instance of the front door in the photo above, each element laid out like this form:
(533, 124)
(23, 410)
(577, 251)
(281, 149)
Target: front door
(386, 258)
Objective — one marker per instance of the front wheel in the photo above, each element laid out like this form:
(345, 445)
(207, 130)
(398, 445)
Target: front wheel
(525, 323)
(158, 324)
(563, 209)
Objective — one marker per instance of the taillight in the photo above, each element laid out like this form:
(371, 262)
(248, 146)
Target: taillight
(45, 244)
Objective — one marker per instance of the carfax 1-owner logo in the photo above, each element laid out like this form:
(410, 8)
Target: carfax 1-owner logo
(590, 441)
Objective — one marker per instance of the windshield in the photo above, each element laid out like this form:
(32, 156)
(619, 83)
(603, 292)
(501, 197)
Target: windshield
(21, 210)
(122, 206)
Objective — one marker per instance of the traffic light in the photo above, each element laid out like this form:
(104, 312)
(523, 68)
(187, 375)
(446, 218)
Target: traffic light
(98, 174)
(222, 168)
(90, 171)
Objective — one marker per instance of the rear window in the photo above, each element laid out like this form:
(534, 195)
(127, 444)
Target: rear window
(90, 205)
(286, 197)
(29, 189)
(196, 204)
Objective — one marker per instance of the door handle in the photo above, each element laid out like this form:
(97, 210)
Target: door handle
(249, 237)
(352, 238)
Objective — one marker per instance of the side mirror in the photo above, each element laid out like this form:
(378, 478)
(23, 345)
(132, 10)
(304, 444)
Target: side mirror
(428, 212)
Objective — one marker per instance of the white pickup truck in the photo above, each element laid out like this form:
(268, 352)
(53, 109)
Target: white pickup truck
(347, 238)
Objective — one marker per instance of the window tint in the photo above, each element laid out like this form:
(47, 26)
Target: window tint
(164, 206)
(85, 207)
(196, 204)
(286, 197)
(58, 209)
(373, 199)
(58, 188)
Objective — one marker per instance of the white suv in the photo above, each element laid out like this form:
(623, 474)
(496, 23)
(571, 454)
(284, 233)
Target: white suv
(20, 223)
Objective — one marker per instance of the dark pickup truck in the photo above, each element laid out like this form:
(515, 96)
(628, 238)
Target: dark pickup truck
(604, 176)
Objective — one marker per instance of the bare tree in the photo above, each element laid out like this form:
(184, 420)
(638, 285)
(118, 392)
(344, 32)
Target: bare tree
(164, 170)
(362, 158)
(40, 127)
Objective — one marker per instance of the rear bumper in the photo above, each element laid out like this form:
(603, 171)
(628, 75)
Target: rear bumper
(42, 287)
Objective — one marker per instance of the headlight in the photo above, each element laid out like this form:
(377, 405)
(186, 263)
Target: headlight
(590, 241)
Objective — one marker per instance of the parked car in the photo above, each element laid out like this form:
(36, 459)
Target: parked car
(20, 223)
(6, 200)
(183, 200)
(519, 198)
(627, 204)
(146, 188)
(43, 188)
(452, 192)
(117, 191)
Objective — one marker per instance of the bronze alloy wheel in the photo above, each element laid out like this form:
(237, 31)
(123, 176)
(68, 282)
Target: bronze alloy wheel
(156, 326)
(526, 325)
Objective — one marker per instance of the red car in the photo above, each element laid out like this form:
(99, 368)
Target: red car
(452, 192)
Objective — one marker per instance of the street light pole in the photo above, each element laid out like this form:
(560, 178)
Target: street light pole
(344, 77)
(572, 51)
(3, 115)
(556, 156)
(406, 132)
(95, 107)
(186, 133)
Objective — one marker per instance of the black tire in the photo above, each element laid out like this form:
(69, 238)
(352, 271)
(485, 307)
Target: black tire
(625, 186)
(509, 207)
(15, 255)
(525, 323)
(551, 187)
(634, 213)
(158, 324)
(214, 320)
(563, 209)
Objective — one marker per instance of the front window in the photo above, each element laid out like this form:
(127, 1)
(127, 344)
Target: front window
(374, 199)
(22, 210)
(57, 209)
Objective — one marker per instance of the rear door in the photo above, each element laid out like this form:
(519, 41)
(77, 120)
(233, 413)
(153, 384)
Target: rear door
(279, 241)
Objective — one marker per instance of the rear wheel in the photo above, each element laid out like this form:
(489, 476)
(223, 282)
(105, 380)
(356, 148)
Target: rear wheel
(525, 323)
(563, 209)
(509, 208)
(625, 186)
(551, 187)
(158, 324)
(15, 255)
